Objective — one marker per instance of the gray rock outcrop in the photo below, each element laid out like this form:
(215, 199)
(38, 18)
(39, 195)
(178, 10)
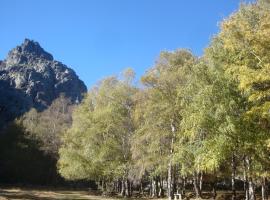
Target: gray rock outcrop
(30, 77)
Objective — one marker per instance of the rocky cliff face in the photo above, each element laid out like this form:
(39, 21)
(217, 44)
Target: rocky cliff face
(30, 77)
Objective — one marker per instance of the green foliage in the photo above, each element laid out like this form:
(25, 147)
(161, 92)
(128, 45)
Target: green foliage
(98, 143)
(242, 50)
(211, 117)
(159, 109)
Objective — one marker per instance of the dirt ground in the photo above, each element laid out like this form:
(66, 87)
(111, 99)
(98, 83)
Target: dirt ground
(52, 194)
(47, 194)
(32, 194)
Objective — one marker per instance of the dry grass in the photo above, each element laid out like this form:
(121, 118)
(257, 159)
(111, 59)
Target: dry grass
(31, 194)
(40, 194)
(53, 194)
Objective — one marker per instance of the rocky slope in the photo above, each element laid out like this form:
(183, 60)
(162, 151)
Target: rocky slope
(30, 77)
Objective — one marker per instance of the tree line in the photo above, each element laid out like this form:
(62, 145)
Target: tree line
(192, 119)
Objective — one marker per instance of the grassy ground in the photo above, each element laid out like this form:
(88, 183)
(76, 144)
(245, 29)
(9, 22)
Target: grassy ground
(40, 194)
(47, 194)
(31, 194)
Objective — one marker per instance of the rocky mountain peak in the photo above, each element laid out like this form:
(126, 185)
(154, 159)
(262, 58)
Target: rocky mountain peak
(31, 78)
(27, 52)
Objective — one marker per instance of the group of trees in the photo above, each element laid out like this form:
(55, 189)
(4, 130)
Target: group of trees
(191, 123)
(46, 127)
(192, 120)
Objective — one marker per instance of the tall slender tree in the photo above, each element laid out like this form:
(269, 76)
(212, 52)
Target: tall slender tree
(161, 110)
(98, 144)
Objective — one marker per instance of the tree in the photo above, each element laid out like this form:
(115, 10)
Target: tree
(160, 117)
(97, 146)
(242, 48)
(211, 122)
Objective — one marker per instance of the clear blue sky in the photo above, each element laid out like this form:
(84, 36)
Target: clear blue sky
(102, 37)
